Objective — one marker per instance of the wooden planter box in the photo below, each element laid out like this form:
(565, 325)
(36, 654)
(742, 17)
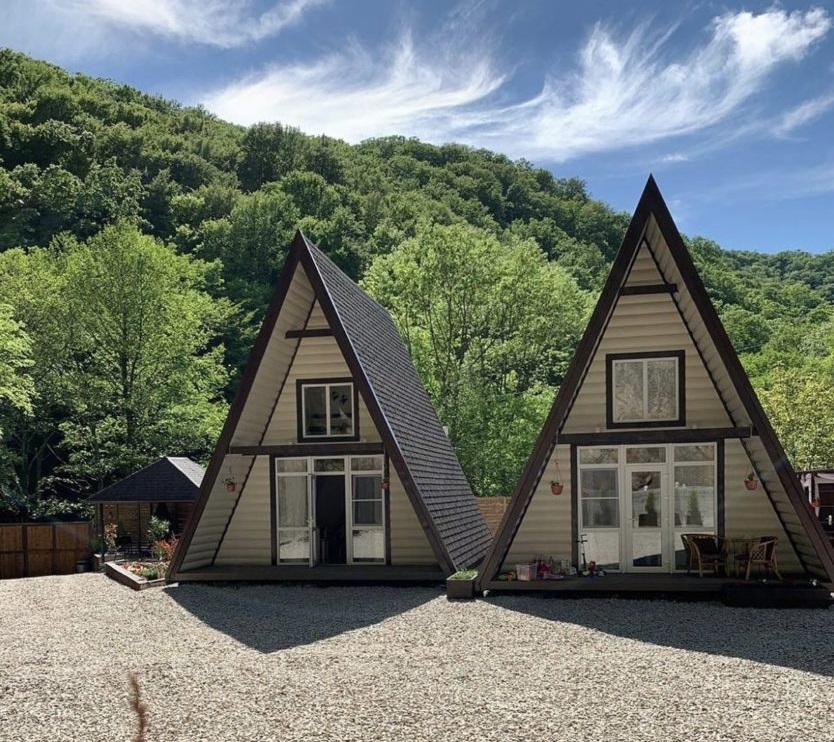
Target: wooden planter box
(775, 595)
(126, 577)
(99, 560)
(460, 589)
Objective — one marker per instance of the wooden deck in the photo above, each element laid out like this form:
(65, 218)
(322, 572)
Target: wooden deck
(322, 573)
(680, 586)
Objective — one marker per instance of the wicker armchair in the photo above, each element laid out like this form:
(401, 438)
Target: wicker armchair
(762, 554)
(704, 550)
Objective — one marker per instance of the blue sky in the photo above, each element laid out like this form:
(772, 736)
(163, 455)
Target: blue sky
(731, 106)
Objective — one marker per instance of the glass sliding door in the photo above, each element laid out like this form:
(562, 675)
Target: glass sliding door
(295, 519)
(694, 495)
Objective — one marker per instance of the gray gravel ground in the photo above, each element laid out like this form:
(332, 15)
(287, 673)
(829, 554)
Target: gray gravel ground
(364, 663)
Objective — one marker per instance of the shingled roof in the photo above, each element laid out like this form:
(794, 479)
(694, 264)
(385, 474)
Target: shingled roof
(418, 446)
(171, 479)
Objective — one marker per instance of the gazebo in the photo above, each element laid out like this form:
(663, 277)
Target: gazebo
(167, 489)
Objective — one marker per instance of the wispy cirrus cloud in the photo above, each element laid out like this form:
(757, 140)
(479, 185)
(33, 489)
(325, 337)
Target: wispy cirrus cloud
(803, 114)
(624, 90)
(71, 29)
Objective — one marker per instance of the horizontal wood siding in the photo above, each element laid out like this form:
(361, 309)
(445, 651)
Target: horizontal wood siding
(750, 513)
(248, 538)
(317, 320)
(273, 369)
(317, 358)
(216, 514)
(646, 323)
(545, 530)
(409, 543)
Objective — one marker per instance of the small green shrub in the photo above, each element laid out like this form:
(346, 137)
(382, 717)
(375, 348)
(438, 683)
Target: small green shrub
(465, 574)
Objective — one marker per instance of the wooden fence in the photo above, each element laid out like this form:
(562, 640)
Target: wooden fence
(36, 549)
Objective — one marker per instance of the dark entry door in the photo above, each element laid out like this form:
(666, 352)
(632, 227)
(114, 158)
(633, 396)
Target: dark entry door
(330, 518)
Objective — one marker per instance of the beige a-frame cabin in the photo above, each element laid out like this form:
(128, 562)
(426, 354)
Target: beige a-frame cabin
(332, 464)
(652, 434)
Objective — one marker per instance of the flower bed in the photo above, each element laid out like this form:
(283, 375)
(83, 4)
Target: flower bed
(132, 574)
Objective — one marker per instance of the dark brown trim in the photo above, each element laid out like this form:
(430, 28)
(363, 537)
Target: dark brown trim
(313, 332)
(311, 449)
(641, 437)
(375, 410)
(386, 476)
(273, 515)
(654, 288)
(299, 402)
(610, 358)
(247, 380)
(720, 485)
(574, 513)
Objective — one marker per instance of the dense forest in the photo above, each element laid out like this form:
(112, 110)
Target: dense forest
(140, 242)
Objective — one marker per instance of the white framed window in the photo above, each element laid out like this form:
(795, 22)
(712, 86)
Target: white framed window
(327, 409)
(645, 389)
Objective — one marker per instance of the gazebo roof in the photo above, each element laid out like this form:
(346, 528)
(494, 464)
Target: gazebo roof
(171, 479)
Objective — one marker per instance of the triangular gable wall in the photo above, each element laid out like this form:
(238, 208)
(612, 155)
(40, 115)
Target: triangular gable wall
(301, 300)
(653, 252)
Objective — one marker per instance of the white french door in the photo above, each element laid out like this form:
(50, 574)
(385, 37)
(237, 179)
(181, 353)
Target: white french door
(361, 513)
(636, 501)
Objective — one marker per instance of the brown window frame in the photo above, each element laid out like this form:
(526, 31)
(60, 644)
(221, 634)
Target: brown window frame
(658, 355)
(333, 381)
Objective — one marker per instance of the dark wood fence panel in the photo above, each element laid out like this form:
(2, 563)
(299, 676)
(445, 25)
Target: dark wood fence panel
(37, 549)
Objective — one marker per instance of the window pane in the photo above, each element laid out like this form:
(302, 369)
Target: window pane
(599, 483)
(662, 385)
(695, 453)
(315, 411)
(291, 465)
(628, 390)
(597, 455)
(292, 501)
(368, 544)
(325, 465)
(367, 487)
(645, 455)
(366, 463)
(694, 496)
(341, 409)
(601, 513)
(367, 512)
(645, 499)
(293, 545)
(602, 547)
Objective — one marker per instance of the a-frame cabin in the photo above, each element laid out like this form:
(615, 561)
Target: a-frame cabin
(332, 464)
(652, 433)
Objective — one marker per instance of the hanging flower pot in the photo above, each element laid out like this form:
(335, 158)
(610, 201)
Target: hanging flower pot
(556, 487)
(751, 482)
(231, 485)
(386, 484)
(815, 502)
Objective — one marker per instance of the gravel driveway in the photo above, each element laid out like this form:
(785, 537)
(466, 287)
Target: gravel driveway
(363, 663)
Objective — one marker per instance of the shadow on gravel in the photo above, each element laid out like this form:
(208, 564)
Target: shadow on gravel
(273, 617)
(799, 639)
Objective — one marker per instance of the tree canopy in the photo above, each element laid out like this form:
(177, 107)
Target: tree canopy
(141, 241)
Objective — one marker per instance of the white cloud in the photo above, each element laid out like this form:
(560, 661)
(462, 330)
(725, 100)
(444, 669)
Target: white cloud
(68, 29)
(214, 22)
(353, 95)
(625, 90)
(803, 114)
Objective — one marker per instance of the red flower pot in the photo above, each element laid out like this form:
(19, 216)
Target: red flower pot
(231, 486)
(751, 484)
(556, 489)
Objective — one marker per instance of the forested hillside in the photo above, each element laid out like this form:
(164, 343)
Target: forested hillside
(140, 242)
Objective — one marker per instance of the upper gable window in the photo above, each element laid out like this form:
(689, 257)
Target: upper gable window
(645, 389)
(327, 409)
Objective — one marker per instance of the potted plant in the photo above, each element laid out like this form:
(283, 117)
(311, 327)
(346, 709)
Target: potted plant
(461, 585)
(230, 483)
(556, 487)
(750, 481)
(111, 536)
(649, 518)
(815, 502)
(693, 510)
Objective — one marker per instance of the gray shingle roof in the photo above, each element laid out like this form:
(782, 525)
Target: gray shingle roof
(171, 479)
(425, 450)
